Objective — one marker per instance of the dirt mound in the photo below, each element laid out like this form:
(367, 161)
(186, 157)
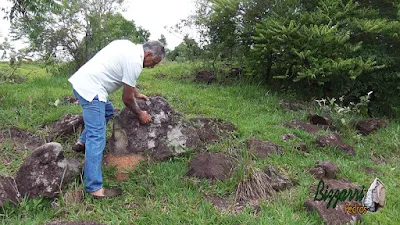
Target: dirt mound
(212, 166)
(123, 163)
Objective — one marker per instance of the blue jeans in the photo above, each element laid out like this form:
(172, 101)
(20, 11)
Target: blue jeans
(95, 116)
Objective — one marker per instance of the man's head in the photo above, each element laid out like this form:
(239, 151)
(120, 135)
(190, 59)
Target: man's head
(154, 52)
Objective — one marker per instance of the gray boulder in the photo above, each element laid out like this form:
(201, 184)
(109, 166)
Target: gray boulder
(169, 134)
(45, 172)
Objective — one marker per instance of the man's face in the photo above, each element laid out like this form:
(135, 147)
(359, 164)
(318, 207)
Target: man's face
(150, 61)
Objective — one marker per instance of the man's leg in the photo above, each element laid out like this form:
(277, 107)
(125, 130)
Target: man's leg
(109, 113)
(95, 127)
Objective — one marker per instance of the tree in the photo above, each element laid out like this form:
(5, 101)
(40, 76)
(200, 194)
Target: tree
(80, 27)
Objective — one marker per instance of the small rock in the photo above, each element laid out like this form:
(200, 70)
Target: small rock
(309, 128)
(205, 77)
(320, 120)
(212, 166)
(262, 148)
(278, 181)
(369, 170)
(318, 172)
(334, 140)
(366, 127)
(292, 106)
(289, 136)
(163, 75)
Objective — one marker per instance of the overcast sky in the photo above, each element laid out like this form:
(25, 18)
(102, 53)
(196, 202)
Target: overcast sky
(152, 15)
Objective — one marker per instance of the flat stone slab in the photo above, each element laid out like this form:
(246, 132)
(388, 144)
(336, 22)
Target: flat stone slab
(69, 124)
(334, 140)
(263, 149)
(366, 127)
(340, 214)
(309, 128)
(8, 191)
(212, 166)
(45, 172)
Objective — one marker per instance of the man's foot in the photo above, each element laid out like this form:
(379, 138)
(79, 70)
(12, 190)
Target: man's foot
(79, 147)
(106, 193)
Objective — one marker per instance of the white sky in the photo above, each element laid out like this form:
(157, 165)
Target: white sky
(152, 15)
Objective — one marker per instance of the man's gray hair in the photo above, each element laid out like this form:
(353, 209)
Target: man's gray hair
(156, 48)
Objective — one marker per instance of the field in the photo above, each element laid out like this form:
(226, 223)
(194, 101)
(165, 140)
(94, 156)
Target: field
(159, 192)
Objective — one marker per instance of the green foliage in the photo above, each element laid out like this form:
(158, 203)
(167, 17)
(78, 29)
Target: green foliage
(188, 50)
(334, 47)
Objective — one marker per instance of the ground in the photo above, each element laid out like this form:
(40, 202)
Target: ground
(159, 192)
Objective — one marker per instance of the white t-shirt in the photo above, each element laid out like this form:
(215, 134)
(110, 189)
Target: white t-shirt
(119, 63)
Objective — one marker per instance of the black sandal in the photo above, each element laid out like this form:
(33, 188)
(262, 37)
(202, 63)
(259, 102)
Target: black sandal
(109, 193)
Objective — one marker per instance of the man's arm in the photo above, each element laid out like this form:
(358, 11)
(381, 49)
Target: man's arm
(128, 97)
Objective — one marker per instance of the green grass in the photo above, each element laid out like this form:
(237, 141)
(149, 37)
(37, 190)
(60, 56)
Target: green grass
(159, 193)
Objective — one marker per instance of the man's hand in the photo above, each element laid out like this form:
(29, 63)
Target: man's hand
(142, 96)
(144, 117)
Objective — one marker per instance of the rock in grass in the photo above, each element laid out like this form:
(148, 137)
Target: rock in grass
(8, 191)
(263, 149)
(339, 214)
(366, 127)
(45, 172)
(309, 128)
(212, 166)
(169, 134)
(334, 140)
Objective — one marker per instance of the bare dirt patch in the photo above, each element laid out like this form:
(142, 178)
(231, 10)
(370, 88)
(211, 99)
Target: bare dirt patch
(123, 163)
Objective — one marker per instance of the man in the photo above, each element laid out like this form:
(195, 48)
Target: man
(118, 64)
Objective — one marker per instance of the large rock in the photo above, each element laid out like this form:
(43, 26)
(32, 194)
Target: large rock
(334, 140)
(67, 125)
(45, 172)
(309, 128)
(169, 134)
(262, 148)
(338, 215)
(212, 166)
(365, 127)
(8, 191)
